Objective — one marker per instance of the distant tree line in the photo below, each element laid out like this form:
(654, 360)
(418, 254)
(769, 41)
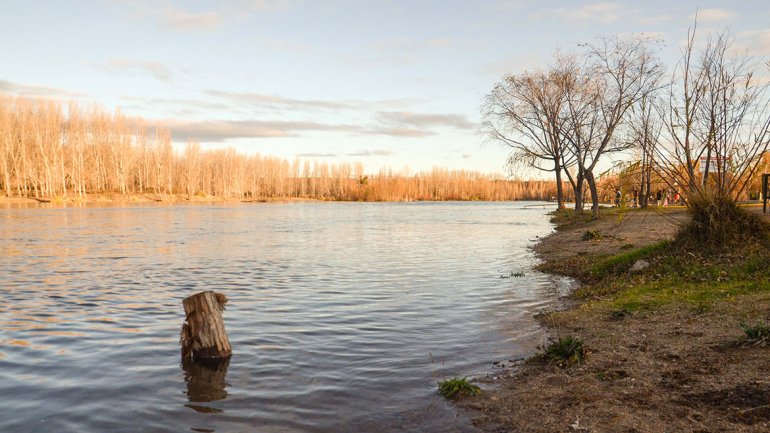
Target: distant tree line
(48, 149)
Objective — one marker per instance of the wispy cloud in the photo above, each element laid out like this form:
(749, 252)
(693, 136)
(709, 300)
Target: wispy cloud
(375, 152)
(655, 19)
(36, 91)
(422, 120)
(274, 101)
(405, 44)
(714, 15)
(399, 132)
(214, 131)
(602, 12)
(316, 155)
(755, 42)
(512, 65)
(180, 16)
(180, 19)
(156, 70)
(287, 45)
(277, 102)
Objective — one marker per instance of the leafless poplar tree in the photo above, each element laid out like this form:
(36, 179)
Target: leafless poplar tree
(615, 76)
(524, 113)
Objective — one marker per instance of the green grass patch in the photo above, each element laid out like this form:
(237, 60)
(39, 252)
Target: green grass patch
(623, 261)
(457, 386)
(675, 276)
(697, 294)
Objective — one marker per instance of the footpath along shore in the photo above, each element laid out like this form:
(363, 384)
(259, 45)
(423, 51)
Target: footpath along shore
(664, 349)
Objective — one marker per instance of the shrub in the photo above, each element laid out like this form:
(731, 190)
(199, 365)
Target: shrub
(720, 222)
(592, 235)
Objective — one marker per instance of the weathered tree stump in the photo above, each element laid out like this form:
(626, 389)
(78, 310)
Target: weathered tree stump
(203, 333)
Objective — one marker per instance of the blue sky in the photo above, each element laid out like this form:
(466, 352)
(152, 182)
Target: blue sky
(391, 83)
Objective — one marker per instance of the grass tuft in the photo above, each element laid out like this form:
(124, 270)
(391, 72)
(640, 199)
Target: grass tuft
(457, 386)
(592, 235)
(758, 332)
(567, 350)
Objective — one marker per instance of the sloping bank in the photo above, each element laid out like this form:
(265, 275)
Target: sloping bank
(664, 349)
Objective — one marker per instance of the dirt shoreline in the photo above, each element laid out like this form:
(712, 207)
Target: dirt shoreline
(677, 367)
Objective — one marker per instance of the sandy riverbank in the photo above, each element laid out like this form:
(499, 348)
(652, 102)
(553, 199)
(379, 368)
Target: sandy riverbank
(664, 348)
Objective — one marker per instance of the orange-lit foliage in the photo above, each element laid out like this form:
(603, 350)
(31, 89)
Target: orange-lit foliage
(47, 150)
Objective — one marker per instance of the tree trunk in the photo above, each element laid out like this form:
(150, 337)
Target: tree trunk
(203, 334)
(578, 188)
(594, 194)
(559, 186)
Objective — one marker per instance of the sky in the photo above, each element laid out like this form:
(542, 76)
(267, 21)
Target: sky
(388, 83)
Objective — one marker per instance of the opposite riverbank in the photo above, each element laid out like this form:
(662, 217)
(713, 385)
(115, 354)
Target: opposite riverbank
(664, 347)
(143, 198)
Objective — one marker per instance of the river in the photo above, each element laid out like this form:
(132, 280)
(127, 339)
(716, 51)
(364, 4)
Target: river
(342, 316)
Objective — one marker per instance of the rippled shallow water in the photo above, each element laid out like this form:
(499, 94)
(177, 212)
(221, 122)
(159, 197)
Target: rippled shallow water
(342, 316)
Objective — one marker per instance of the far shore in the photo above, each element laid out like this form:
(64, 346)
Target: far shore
(118, 198)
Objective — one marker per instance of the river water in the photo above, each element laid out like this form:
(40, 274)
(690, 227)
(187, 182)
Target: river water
(342, 316)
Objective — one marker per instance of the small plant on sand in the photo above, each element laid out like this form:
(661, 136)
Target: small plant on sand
(757, 334)
(566, 350)
(457, 386)
(592, 235)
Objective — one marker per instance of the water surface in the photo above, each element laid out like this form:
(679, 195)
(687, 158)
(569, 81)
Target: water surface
(342, 316)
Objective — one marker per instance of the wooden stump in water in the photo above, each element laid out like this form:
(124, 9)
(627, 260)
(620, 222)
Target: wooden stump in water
(203, 333)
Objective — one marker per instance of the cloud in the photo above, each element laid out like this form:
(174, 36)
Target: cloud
(513, 65)
(603, 13)
(655, 19)
(423, 121)
(179, 16)
(409, 45)
(399, 132)
(157, 70)
(286, 45)
(31, 90)
(376, 152)
(215, 131)
(275, 102)
(316, 155)
(755, 42)
(714, 15)
(181, 19)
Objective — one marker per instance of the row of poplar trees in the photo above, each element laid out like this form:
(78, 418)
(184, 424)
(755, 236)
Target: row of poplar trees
(49, 149)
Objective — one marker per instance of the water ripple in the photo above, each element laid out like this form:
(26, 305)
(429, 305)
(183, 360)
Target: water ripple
(342, 316)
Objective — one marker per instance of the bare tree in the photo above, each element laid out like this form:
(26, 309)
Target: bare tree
(524, 113)
(718, 129)
(615, 76)
(646, 126)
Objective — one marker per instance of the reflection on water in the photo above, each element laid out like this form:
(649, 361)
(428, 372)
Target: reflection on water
(206, 379)
(342, 316)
